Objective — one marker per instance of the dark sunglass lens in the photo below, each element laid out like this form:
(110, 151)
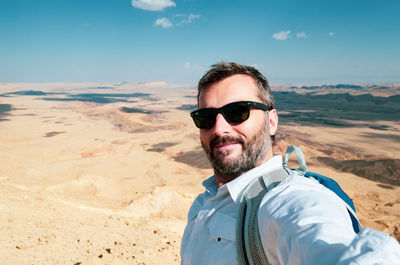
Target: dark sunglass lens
(236, 112)
(205, 118)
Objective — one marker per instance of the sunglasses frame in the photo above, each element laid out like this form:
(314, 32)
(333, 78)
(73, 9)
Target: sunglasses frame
(248, 104)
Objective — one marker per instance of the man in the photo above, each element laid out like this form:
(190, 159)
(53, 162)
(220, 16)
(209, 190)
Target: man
(300, 221)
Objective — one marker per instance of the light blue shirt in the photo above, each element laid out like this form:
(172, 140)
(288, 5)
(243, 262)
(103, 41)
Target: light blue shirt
(301, 222)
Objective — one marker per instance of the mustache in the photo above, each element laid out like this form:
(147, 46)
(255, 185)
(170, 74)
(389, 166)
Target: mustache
(218, 140)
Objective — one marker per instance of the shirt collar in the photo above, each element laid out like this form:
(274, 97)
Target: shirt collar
(236, 186)
(211, 186)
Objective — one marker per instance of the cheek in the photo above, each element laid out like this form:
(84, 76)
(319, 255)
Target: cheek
(243, 132)
(205, 136)
(251, 126)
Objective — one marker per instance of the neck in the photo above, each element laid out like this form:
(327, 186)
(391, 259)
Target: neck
(222, 179)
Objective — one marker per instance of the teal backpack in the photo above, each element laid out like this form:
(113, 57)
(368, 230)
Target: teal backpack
(249, 246)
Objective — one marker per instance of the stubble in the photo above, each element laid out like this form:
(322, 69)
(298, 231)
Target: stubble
(253, 151)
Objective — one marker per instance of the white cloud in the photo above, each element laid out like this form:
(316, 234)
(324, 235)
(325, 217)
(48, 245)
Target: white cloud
(301, 35)
(187, 19)
(187, 65)
(152, 5)
(283, 35)
(331, 34)
(163, 22)
(184, 19)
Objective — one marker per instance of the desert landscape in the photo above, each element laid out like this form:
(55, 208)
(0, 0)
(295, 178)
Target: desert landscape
(105, 173)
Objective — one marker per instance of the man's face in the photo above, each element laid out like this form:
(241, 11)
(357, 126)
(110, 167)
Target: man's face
(235, 149)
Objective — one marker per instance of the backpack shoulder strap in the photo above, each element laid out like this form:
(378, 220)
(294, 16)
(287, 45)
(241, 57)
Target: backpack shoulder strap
(249, 246)
(302, 169)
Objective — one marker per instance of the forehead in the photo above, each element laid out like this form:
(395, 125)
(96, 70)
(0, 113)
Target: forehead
(231, 89)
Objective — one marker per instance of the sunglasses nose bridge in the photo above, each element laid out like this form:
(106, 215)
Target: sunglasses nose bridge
(223, 114)
(221, 124)
(220, 111)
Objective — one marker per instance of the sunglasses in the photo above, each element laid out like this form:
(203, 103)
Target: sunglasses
(234, 113)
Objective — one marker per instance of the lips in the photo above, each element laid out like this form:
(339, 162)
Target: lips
(224, 143)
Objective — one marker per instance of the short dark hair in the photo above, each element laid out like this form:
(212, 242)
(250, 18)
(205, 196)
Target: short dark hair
(222, 70)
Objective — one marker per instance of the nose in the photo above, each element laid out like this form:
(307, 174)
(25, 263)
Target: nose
(221, 126)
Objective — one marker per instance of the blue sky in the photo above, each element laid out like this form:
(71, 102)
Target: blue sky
(177, 40)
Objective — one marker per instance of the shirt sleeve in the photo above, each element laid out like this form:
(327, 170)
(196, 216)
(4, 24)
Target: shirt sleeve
(371, 247)
(302, 222)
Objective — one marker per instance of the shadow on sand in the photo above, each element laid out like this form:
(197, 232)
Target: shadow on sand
(193, 158)
(384, 171)
(336, 109)
(4, 111)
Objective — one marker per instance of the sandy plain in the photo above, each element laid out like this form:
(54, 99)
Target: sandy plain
(105, 173)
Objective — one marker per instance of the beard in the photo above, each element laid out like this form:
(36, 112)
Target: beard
(253, 151)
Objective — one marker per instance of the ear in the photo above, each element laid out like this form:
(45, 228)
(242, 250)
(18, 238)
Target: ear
(273, 121)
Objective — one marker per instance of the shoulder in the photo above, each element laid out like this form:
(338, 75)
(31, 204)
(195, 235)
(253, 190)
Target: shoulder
(302, 212)
(297, 191)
